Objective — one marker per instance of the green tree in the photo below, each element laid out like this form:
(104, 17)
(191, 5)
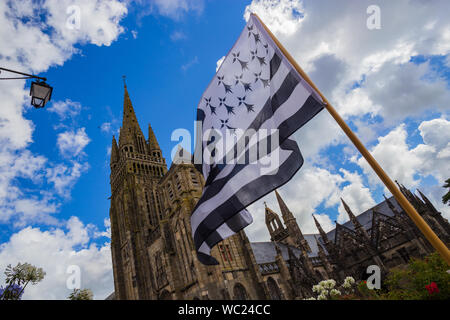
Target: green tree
(446, 197)
(81, 294)
(17, 279)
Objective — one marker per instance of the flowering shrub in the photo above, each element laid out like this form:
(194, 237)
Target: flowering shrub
(326, 289)
(17, 278)
(13, 292)
(432, 288)
(81, 294)
(422, 279)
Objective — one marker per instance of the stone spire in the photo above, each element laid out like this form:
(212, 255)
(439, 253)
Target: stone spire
(351, 215)
(358, 226)
(321, 231)
(130, 126)
(407, 193)
(114, 151)
(291, 224)
(285, 212)
(391, 205)
(427, 202)
(152, 142)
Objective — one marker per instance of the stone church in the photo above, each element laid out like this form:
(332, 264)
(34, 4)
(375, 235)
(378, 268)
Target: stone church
(154, 257)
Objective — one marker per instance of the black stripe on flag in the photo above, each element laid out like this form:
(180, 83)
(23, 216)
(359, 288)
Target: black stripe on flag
(206, 231)
(274, 64)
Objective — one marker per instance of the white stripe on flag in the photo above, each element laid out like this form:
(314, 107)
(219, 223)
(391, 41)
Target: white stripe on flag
(244, 177)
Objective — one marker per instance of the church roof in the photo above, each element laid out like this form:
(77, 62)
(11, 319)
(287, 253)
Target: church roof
(265, 252)
(365, 218)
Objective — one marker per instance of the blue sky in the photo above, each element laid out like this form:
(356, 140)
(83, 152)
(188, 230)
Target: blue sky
(391, 85)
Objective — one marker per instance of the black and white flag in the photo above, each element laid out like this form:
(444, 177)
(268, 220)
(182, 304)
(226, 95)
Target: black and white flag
(254, 103)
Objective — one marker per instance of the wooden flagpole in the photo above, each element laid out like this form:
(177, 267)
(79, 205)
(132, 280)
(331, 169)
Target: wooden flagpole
(401, 199)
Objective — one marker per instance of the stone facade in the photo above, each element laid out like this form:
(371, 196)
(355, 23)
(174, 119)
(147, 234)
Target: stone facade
(154, 257)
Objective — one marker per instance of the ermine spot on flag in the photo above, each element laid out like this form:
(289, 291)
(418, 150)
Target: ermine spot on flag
(253, 104)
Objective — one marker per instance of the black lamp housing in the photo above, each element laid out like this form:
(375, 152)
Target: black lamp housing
(40, 93)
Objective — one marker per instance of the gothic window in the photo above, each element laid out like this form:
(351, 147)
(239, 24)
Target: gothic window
(161, 278)
(134, 167)
(228, 252)
(274, 225)
(141, 144)
(126, 149)
(131, 149)
(158, 206)
(178, 182)
(148, 209)
(239, 292)
(225, 252)
(274, 290)
(169, 189)
(194, 178)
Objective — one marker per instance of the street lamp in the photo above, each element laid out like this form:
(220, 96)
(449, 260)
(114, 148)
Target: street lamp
(40, 91)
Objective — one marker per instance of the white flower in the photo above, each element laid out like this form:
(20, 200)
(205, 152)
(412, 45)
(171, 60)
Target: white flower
(335, 292)
(317, 288)
(328, 284)
(349, 280)
(322, 297)
(312, 298)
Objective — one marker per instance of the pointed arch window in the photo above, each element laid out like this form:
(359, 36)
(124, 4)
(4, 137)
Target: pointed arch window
(170, 191)
(177, 179)
(194, 178)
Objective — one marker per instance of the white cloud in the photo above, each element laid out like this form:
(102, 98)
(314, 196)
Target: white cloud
(174, 8)
(177, 36)
(219, 63)
(55, 250)
(99, 21)
(409, 165)
(64, 177)
(65, 109)
(72, 143)
(106, 127)
(282, 16)
(332, 43)
(355, 194)
(189, 64)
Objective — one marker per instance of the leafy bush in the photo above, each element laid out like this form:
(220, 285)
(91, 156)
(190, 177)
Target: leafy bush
(83, 294)
(422, 279)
